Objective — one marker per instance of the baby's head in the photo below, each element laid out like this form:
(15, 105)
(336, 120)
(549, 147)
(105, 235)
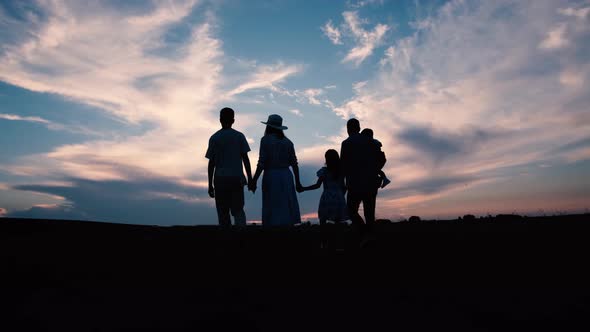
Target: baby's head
(367, 132)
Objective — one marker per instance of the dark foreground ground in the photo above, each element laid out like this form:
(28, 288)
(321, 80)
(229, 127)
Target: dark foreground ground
(485, 275)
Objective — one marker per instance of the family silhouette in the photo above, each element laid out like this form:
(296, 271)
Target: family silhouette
(348, 179)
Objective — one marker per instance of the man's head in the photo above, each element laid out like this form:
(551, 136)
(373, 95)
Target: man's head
(367, 132)
(226, 117)
(353, 126)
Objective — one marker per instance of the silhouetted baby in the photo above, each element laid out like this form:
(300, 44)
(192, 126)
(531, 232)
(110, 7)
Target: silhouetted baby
(380, 157)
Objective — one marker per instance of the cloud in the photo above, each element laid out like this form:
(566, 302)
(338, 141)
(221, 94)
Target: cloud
(97, 55)
(3, 212)
(332, 33)
(471, 93)
(444, 145)
(14, 117)
(363, 3)
(555, 38)
(580, 13)
(142, 200)
(296, 112)
(365, 41)
(309, 96)
(120, 61)
(50, 124)
(266, 77)
(434, 184)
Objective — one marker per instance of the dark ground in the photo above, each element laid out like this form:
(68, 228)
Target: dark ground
(493, 274)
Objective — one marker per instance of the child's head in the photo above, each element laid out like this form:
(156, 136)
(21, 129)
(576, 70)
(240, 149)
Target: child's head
(332, 161)
(367, 132)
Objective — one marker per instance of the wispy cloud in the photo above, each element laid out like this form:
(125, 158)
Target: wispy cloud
(363, 3)
(119, 61)
(14, 117)
(77, 129)
(296, 112)
(363, 41)
(555, 38)
(266, 77)
(366, 41)
(332, 33)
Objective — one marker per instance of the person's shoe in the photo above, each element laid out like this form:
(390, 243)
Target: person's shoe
(386, 181)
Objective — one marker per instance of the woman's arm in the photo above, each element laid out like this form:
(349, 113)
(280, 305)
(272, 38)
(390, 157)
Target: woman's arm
(296, 174)
(295, 167)
(259, 166)
(252, 184)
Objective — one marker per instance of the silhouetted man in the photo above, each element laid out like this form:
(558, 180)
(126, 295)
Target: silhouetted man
(228, 149)
(358, 156)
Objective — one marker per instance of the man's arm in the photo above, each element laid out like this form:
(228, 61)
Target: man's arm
(210, 172)
(247, 166)
(252, 185)
(344, 160)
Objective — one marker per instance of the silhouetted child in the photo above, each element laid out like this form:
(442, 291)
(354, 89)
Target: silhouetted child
(332, 203)
(380, 157)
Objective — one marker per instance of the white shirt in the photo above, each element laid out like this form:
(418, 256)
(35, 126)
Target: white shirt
(226, 147)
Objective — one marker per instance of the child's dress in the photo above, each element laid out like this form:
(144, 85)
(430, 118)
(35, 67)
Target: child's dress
(332, 203)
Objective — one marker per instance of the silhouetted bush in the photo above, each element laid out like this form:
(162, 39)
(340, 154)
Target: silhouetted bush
(414, 219)
(468, 217)
(508, 217)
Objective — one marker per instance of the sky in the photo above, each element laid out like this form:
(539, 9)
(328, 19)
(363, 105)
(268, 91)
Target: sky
(106, 107)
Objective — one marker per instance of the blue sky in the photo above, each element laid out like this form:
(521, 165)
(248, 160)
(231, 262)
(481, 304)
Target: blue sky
(106, 107)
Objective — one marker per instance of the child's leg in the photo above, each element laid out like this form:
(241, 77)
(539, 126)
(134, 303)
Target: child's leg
(323, 235)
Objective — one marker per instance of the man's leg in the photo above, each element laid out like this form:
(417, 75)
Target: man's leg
(222, 202)
(353, 201)
(369, 203)
(237, 202)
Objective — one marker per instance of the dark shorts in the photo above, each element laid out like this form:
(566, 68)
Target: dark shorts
(229, 196)
(229, 190)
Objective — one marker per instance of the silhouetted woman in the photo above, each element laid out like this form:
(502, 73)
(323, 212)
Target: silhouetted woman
(277, 153)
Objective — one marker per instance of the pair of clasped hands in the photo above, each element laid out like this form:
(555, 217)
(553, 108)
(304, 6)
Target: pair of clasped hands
(252, 186)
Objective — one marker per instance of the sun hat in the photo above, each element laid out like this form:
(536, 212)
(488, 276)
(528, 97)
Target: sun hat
(275, 121)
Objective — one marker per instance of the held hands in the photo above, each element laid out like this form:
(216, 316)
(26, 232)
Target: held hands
(211, 192)
(299, 188)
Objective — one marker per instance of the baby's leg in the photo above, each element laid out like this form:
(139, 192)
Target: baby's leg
(385, 179)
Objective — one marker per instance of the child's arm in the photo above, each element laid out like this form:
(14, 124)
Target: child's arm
(313, 186)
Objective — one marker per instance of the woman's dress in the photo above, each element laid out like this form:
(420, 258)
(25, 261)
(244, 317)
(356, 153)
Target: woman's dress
(332, 203)
(279, 199)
